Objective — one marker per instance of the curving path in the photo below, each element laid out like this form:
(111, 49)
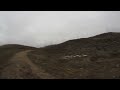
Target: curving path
(21, 67)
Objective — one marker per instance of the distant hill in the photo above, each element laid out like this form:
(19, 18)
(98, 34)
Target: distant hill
(96, 57)
(108, 35)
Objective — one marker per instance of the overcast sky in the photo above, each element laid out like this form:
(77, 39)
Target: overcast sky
(40, 28)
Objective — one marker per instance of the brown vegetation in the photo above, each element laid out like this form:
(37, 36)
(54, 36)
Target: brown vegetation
(99, 58)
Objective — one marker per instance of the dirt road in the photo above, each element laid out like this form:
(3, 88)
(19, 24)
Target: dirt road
(21, 67)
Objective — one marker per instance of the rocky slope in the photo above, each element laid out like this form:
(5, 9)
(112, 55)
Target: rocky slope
(95, 57)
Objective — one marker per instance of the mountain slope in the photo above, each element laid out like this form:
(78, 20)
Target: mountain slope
(94, 57)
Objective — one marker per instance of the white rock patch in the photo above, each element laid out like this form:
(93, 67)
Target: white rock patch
(74, 56)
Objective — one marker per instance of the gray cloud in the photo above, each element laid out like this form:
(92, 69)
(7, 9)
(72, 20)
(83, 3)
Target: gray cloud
(40, 28)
